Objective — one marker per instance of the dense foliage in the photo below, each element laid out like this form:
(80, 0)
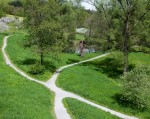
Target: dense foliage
(123, 24)
(136, 87)
(41, 19)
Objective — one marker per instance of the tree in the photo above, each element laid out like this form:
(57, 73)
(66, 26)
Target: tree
(81, 16)
(68, 21)
(41, 18)
(2, 5)
(131, 16)
(72, 16)
(126, 22)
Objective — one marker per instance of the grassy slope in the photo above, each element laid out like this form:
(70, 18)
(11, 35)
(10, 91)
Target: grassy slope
(20, 98)
(80, 110)
(22, 57)
(88, 81)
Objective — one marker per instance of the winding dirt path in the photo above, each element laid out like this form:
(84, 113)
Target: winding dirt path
(60, 110)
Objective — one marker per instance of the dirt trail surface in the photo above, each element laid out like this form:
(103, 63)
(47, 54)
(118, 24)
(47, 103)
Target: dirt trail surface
(60, 110)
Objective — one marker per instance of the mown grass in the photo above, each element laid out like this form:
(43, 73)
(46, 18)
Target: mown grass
(80, 110)
(80, 37)
(20, 98)
(139, 58)
(24, 58)
(99, 81)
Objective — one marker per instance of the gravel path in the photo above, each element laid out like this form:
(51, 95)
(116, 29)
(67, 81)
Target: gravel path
(60, 110)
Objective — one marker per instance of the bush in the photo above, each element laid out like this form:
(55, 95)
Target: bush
(104, 45)
(136, 87)
(140, 49)
(37, 68)
(15, 3)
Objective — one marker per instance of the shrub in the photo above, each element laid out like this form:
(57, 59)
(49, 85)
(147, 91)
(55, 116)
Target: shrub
(140, 49)
(136, 87)
(37, 68)
(15, 3)
(104, 45)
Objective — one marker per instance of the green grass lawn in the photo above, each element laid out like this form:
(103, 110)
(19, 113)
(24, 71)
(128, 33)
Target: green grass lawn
(80, 37)
(99, 81)
(20, 98)
(80, 110)
(25, 58)
(139, 58)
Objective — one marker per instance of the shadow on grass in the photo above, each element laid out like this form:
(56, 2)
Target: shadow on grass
(70, 61)
(28, 61)
(34, 66)
(50, 66)
(125, 102)
(109, 66)
(5, 34)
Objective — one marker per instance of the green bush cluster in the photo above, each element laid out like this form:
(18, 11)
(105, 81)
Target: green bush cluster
(136, 87)
(11, 7)
(37, 68)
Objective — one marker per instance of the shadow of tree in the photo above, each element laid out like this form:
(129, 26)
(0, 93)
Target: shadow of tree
(5, 34)
(109, 66)
(28, 61)
(72, 61)
(124, 102)
(35, 64)
(50, 66)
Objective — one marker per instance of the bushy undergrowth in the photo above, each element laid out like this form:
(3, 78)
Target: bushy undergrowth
(136, 88)
(140, 49)
(37, 68)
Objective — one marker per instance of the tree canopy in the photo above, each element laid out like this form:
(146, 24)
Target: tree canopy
(44, 26)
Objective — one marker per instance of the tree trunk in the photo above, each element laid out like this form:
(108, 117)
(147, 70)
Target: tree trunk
(109, 42)
(81, 48)
(126, 44)
(125, 62)
(42, 58)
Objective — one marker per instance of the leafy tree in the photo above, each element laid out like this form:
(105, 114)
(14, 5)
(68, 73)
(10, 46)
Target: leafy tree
(41, 18)
(98, 34)
(11, 7)
(126, 22)
(131, 16)
(81, 16)
(68, 21)
(2, 6)
(72, 16)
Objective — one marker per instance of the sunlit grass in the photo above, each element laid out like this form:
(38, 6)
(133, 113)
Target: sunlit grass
(24, 58)
(99, 81)
(80, 110)
(20, 98)
(80, 37)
